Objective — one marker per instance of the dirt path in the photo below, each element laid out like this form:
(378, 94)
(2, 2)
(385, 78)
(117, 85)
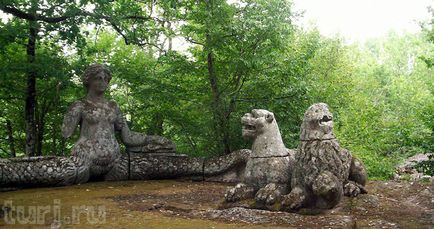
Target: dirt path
(174, 204)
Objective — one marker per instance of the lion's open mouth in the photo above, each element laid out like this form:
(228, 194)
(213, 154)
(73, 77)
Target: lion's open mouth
(249, 127)
(326, 119)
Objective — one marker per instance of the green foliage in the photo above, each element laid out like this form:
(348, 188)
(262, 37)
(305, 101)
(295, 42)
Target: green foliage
(54, 72)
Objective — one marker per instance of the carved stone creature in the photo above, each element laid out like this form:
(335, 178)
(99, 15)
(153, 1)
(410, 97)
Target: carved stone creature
(323, 171)
(59, 171)
(96, 154)
(267, 174)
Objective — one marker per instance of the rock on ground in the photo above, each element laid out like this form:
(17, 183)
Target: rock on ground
(407, 169)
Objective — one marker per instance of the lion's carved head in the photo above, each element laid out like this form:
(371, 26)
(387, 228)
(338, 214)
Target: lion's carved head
(317, 123)
(256, 123)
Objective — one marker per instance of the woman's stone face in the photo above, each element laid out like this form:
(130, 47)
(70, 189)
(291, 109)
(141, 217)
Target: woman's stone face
(99, 82)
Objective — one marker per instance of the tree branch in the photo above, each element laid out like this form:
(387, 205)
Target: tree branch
(30, 17)
(24, 15)
(193, 41)
(17, 13)
(119, 31)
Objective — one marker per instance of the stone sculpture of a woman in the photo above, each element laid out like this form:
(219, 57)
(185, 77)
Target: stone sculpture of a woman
(99, 120)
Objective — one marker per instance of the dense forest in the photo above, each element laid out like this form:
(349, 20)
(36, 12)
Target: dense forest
(188, 70)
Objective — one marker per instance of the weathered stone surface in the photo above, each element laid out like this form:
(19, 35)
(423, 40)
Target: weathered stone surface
(99, 119)
(322, 168)
(261, 127)
(358, 172)
(262, 171)
(241, 191)
(40, 171)
(152, 144)
(268, 170)
(227, 168)
(317, 123)
(120, 169)
(159, 167)
(150, 166)
(55, 171)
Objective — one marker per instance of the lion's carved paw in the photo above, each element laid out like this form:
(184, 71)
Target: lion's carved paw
(269, 194)
(239, 192)
(353, 189)
(294, 200)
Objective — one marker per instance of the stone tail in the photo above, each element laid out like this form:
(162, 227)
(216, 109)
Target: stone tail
(227, 168)
(40, 171)
(59, 171)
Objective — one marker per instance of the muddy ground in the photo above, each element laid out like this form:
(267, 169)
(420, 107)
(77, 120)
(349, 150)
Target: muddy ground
(388, 205)
(176, 204)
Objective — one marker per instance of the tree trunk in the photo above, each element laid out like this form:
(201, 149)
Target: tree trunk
(62, 147)
(40, 131)
(11, 139)
(31, 92)
(54, 143)
(221, 120)
(169, 36)
(54, 151)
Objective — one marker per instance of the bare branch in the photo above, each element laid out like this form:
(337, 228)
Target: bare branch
(144, 18)
(144, 43)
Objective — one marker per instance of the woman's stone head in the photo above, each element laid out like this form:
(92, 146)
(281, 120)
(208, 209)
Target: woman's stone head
(96, 78)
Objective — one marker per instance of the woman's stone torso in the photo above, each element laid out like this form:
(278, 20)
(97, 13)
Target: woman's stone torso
(97, 140)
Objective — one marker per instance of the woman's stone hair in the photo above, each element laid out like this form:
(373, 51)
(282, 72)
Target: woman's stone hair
(92, 71)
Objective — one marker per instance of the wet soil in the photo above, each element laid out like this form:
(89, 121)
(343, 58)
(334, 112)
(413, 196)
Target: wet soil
(176, 204)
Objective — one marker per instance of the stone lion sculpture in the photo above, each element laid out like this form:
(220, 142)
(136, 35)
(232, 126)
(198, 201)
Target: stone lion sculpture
(267, 174)
(323, 171)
